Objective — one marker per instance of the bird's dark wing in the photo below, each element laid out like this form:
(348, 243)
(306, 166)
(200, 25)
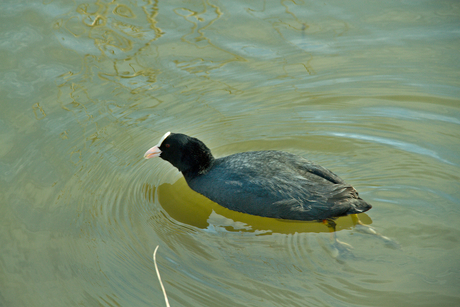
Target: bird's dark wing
(308, 168)
(294, 197)
(279, 185)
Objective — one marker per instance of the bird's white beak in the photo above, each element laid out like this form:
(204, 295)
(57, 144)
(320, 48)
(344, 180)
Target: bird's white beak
(152, 152)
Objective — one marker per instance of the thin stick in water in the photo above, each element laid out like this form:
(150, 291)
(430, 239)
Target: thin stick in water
(159, 278)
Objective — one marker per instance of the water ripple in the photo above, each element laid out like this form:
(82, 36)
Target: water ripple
(394, 143)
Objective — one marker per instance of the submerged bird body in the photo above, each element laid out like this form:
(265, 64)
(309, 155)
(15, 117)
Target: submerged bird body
(265, 183)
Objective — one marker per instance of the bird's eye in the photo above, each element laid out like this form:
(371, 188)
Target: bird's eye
(167, 145)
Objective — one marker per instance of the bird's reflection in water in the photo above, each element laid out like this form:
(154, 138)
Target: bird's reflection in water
(191, 208)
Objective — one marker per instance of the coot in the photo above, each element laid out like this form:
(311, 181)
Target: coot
(270, 183)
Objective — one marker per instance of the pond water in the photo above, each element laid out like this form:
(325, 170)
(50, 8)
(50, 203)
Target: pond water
(368, 89)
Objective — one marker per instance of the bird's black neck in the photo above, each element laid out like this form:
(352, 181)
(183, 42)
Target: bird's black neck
(198, 170)
(200, 163)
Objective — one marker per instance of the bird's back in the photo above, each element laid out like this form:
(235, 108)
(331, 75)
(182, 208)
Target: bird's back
(279, 185)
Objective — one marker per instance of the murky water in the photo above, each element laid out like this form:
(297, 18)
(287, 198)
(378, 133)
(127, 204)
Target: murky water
(369, 90)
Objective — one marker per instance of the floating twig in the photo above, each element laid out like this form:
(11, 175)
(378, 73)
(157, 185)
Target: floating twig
(159, 278)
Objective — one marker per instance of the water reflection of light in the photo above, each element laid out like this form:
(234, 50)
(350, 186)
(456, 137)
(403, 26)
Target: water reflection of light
(397, 144)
